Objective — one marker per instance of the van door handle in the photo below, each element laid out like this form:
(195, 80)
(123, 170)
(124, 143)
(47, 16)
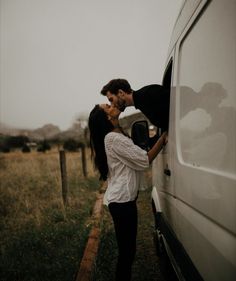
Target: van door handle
(167, 172)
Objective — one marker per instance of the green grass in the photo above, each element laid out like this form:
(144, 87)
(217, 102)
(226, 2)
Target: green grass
(51, 252)
(40, 239)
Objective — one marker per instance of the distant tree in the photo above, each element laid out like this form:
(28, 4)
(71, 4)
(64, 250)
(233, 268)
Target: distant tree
(82, 120)
(4, 148)
(40, 149)
(56, 141)
(70, 145)
(2, 139)
(25, 148)
(86, 136)
(44, 146)
(81, 144)
(16, 141)
(80, 126)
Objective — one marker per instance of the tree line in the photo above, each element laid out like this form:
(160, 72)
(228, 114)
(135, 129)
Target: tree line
(23, 143)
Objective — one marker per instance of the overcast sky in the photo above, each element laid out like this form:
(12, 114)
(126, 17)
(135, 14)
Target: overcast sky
(57, 54)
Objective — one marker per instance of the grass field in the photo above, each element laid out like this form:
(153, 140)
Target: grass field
(40, 239)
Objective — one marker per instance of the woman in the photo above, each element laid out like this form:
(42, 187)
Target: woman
(120, 162)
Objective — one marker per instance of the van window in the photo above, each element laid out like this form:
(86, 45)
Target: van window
(207, 90)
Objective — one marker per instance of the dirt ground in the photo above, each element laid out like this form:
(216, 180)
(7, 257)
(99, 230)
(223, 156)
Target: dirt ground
(146, 266)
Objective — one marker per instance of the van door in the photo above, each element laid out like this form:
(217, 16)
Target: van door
(162, 167)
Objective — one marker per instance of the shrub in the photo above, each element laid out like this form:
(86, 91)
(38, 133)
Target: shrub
(25, 148)
(16, 141)
(71, 145)
(4, 148)
(44, 146)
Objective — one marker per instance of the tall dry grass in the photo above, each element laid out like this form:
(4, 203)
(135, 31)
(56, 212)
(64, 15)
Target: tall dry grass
(31, 182)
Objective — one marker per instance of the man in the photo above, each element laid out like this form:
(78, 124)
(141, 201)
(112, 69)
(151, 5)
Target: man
(151, 100)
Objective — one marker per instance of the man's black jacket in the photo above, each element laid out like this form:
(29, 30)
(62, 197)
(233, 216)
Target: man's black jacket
(153, 101)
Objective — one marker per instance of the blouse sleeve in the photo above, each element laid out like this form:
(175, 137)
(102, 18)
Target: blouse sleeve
(129, 153)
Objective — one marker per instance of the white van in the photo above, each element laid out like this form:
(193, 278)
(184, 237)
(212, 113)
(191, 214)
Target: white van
(194, 178)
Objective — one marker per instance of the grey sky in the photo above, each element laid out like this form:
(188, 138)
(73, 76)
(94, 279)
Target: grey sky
(57, 54)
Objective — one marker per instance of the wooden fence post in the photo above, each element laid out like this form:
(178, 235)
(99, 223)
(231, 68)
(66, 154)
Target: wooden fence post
(63, 177)
(84, 164)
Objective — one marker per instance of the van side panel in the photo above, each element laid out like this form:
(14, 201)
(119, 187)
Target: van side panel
(186, 12)
(205, 167)
(198, 199)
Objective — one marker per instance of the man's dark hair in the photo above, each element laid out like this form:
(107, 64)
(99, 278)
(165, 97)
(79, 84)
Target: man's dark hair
(115, 85)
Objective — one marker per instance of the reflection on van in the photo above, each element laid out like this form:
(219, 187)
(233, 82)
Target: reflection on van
(207, 128)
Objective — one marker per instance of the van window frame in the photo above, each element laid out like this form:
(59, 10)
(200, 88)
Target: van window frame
(167, 78)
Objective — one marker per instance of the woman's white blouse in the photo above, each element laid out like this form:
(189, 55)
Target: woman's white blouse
(126, 161)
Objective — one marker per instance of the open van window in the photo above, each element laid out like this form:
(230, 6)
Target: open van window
(167, 77)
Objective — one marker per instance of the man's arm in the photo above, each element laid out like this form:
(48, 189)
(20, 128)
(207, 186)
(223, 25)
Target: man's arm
(153, 152)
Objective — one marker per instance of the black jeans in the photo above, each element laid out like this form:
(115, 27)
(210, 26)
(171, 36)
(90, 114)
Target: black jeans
(124, 216)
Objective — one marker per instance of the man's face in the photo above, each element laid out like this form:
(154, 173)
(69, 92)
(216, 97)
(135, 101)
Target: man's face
(117, 100)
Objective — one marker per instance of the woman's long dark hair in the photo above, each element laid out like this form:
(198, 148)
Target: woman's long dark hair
(99, 126)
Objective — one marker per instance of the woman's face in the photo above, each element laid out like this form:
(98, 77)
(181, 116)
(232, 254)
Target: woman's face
(110, 110)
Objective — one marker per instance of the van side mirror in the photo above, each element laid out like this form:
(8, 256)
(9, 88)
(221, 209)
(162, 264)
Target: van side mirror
(140, 134)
